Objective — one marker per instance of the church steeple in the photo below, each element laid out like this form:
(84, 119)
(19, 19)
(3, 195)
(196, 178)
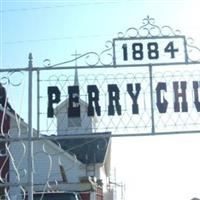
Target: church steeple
(76, 82)
(76, 125)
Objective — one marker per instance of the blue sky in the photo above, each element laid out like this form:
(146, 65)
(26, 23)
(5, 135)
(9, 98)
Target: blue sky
(161, 167)
(55, 29)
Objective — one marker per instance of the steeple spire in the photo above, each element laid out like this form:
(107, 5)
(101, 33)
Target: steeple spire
(76, 82)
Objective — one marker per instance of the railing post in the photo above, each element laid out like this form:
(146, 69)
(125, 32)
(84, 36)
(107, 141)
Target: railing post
(30, 130)
(152, 100)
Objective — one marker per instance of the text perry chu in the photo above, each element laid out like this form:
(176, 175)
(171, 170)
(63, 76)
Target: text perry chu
(114, 106)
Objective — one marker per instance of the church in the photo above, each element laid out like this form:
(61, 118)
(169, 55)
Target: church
(79, 163)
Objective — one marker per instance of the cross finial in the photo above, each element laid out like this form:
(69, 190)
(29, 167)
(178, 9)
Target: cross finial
(76, 55)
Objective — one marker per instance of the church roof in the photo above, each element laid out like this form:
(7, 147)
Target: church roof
(88, 150)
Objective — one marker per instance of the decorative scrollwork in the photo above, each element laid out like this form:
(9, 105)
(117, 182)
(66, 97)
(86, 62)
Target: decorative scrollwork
(90, 58)
(168, 31)
(46, 62)
(13, 78)
(148, 29)
(106, 56)
(193, 51)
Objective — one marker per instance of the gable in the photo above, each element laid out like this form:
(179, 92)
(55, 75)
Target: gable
(62, 107)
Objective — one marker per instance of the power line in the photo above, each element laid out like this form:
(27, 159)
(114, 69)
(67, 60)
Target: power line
(55, 39)
(74, 4)
(69, 4)
(31, 8)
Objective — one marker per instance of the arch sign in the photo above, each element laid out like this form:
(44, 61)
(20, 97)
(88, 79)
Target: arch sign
(158, 91)
(150, 51)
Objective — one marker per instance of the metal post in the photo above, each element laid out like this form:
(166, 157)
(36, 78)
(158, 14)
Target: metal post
(38, 102)
(152, 100)
(30, 131)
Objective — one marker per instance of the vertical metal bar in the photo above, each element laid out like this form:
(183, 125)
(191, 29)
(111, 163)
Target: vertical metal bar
(38, 102)
(30, 131)
(114, 56)
(115, 178)
(186, 51)
(152, 100)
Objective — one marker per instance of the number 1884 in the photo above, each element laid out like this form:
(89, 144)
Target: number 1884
(153, 51)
